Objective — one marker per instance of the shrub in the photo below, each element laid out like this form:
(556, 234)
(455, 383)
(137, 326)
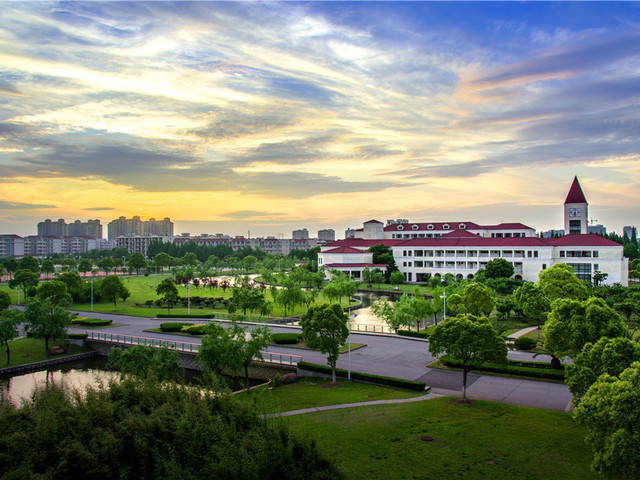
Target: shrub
(275, 381)
(175, 315)
(527, 369)
(91, 322)
(173, 327)
(286, 338)
(195, 329)
(77, 336)
(366, 377)
(411, 333)
(525, 343)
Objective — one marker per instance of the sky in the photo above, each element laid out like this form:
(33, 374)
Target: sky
(265, 117)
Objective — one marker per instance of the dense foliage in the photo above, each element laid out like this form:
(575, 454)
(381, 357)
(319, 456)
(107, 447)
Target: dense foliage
(142, 429)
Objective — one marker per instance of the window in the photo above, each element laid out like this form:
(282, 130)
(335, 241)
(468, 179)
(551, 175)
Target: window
(430, 227)
(446, 226)
(544, 265)
(400, 227)
(562, 254)
(535, 254)
(529, 253)
(582, 270)
(462, 226)
(596, 254)
(414, 227)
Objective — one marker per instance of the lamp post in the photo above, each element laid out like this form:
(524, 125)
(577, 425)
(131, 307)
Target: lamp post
(349, 316)
(189, 298)
(92, 294)
(444, 309)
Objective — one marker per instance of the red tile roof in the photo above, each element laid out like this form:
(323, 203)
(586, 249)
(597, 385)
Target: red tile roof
(584, 240)
(507, 226)
(345, 250)
(436, 226)
(575, 193)
(373, 221)
(459, 234)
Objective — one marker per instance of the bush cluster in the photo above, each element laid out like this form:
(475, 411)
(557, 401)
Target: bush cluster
(366, 377)
(411, 333)
(76, 336)
(173, 327)
(91, 322)
(200, 329)
(525, 343)
(174, 315)
(527, 369)
(286, 338)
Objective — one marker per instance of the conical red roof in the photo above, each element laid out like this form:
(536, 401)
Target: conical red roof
(575, 193)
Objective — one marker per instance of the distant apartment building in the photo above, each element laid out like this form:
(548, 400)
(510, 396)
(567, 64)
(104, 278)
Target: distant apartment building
(140, 243)
(59, 228)
(270, 245)
(42, 245)
(128, 227)
(11, 246)
(300, 234)
(628, 231)
(326, 235)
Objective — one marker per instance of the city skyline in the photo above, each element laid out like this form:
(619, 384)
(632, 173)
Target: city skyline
(270, 117)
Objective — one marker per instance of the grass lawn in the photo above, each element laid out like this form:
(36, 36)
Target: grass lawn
(483, 440)
(29, 350)
(144, 288)
(309, 392)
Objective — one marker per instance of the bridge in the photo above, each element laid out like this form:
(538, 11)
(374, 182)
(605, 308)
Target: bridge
(183, 347)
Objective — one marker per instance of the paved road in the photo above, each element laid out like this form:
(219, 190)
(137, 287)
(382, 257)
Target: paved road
(394, 356)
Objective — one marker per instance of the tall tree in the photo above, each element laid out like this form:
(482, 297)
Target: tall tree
(469, 339)
(531, 299)
(169, 292)
(48, 267)
(85, 265)
(572, 324)
(498, 268)
(5, 300)
(74, 283)
(610, 411)
(46, 320)
(54, 290)
(383, 255)
(29, 263)
(608, 355)
(324, 327)
(23, 279)
(478, 299)
(10, 265)
(106, 264)
(9, 322)
(137, 261)
(112, 288)
(559, 281)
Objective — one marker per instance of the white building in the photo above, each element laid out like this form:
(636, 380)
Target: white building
(422, 250)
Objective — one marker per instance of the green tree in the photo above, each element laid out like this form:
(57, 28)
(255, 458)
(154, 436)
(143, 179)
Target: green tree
(137, 261)
(54, 290)
(11, 265)
(377, 277)
(383, 255)
(245, 298)
(572, 324)
(169, 292)
(23, 279)
(559, 281)
(190, 259)
(106, 264)
(162, 260)
(324, 327)
(112, 288)
(29, 263)
(46, 320)
(85, 265)
(5, 300)
(48, 267)
(9, 322)
(498, 268)
(531, 299)
(478, 299)
(74, 283)
(469, 339)
(608, 355)
(232, 349)
(396, 278)
(610, 411)
(68, 264)
(142, 361)
(289, 296)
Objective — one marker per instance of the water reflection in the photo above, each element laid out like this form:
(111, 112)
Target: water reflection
(364, 318)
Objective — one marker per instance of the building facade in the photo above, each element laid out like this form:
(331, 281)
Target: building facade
(134, 226)
(59, 228)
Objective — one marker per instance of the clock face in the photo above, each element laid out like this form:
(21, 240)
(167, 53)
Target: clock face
(574, 212)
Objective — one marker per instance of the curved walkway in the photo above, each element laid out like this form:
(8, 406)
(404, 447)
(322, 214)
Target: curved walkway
(428, 396)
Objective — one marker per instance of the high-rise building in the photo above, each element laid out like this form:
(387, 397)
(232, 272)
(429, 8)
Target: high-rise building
(90, 228)
(134, 226)
(301, 234)
(327, 235)
(627, 231)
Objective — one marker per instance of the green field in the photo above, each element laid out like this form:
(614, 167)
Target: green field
(144, 288)
(29, 350)
(309, 392)
(483, 440)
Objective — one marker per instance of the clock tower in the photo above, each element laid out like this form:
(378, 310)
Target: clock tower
(576, 213)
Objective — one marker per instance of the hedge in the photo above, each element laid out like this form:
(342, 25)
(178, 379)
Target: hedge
(77, 336)
(525, 343)
(91, 322)
(173, 327)
(286, 338)
(195, 329)
(528, 369)
(196, 315)
(411, 333)
(366, 377)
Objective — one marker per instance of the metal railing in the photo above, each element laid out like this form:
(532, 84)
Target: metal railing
(364, 327)
(267, 357)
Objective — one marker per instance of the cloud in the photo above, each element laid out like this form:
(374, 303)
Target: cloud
(22, 206)
(8, 88)
(98, 209)
(253, 215)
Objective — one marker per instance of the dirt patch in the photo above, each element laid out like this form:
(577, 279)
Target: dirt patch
(461, 401)
(332, 384)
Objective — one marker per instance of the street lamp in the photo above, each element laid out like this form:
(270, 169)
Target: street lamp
(91, 293)
(444, 312)
(189, 298)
